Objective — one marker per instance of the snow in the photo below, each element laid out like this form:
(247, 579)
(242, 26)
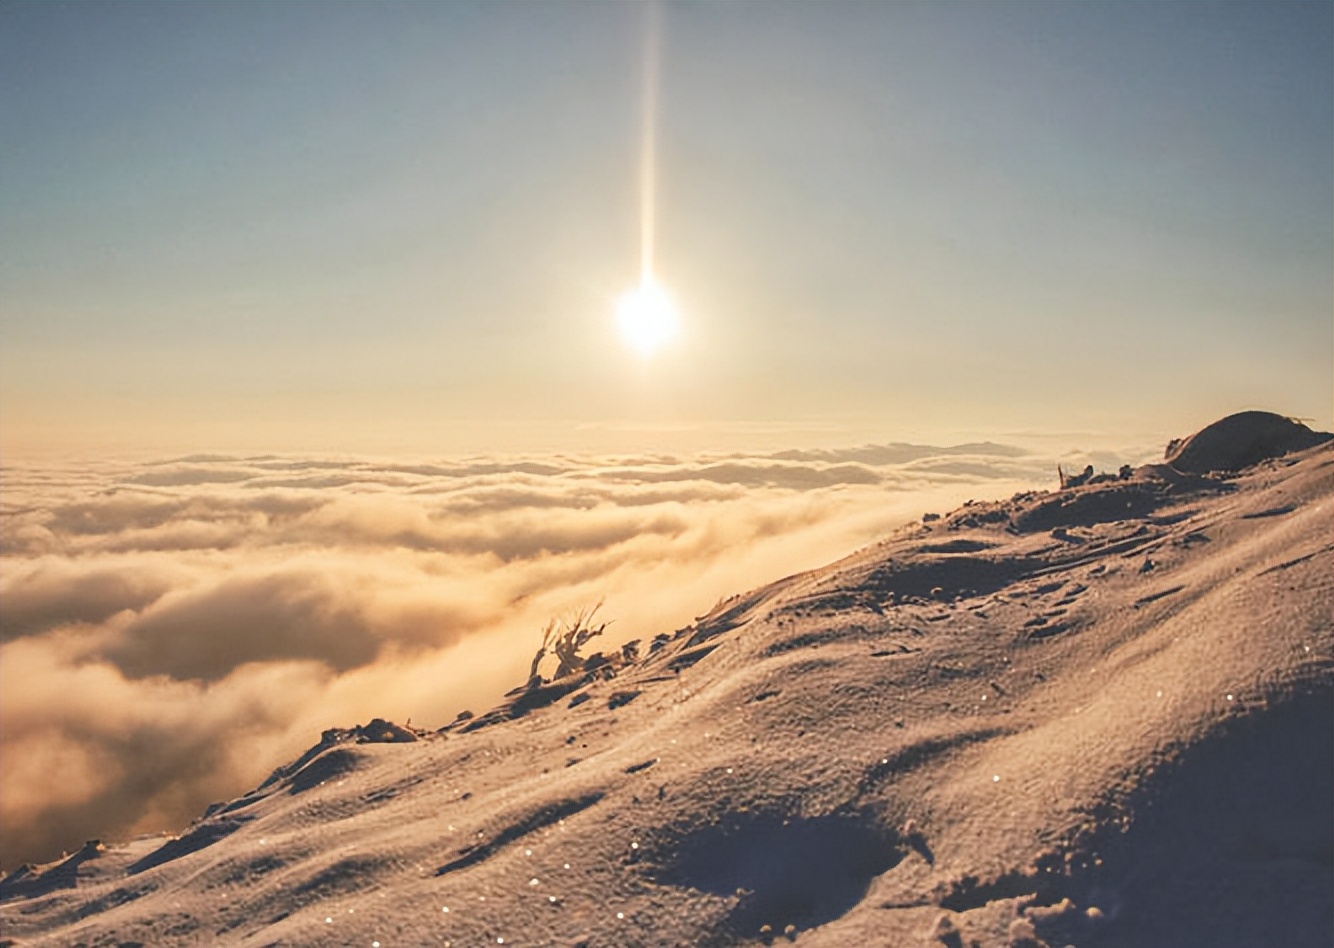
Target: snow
(972, 732)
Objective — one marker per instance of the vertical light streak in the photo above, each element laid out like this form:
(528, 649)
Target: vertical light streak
(648, 143)
(646, 316)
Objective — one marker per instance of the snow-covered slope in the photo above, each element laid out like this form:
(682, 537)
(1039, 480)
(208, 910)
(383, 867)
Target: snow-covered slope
(1095, 716)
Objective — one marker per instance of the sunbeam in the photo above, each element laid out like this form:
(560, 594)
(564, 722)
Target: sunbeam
(648, 141)
(646, 316)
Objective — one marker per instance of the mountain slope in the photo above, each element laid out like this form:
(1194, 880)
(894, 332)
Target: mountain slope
(1097, 716)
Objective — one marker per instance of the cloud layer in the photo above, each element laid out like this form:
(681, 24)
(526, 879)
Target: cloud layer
(170, 632)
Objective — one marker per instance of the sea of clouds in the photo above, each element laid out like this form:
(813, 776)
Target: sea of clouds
(172, 631)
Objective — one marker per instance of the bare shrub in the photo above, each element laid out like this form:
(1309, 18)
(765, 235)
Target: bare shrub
(566, 643)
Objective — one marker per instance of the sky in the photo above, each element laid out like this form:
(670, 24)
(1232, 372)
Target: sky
(403, 228)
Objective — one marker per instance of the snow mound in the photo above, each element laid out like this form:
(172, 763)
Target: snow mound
(1240, 440)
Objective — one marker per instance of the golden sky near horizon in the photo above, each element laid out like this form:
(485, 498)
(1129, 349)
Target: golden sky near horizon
(372, 227)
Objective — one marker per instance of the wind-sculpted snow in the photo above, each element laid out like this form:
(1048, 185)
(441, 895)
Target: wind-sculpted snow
(173, 630)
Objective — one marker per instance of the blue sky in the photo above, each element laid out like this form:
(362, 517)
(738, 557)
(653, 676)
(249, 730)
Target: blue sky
(368, 226)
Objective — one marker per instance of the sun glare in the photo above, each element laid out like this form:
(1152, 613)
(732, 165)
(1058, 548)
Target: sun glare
(646, 315)
(646, 318)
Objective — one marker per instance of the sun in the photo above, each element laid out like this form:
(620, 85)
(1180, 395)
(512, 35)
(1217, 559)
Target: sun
(647, 318)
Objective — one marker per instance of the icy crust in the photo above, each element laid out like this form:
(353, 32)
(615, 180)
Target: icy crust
(1095, 716)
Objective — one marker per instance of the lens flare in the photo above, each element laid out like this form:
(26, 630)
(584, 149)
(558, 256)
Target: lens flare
(648, 145)
(646, 316)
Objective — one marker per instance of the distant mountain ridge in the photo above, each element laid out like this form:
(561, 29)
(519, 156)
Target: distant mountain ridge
(899, 452)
